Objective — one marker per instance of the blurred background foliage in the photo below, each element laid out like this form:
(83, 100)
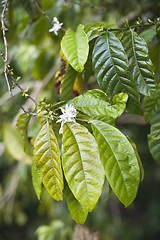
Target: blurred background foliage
(34, 56)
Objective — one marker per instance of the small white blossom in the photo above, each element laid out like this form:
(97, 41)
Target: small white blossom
(56, 26)
(68, 115)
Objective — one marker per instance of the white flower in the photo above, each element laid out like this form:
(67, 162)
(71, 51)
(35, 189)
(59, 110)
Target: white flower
(56, 26)
(68, 115)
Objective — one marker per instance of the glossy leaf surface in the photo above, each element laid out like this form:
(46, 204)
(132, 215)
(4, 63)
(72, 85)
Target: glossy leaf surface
(47, 158)
(139, 63)
(75, 48)
(110, 65)
(81, 164)
(77, 210)
(67, 83)
(119, 161)
(96, 102)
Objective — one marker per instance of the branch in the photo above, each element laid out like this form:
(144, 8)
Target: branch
(36, 2)
(4, 57)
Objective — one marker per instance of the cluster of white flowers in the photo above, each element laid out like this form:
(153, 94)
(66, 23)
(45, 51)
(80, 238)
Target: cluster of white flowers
(68, 115)
(56, 26)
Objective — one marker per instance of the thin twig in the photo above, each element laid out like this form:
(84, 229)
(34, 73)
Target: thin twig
(40, 9)
(4, 56)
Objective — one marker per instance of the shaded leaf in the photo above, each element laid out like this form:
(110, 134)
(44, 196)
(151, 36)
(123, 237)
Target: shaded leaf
(151, 106)
(110, 65)
(96, 102)
(75, 48)
(154, 137)
(139, 63)
(67, 83)
(47, 158)
(22, 125)
(82, 167)
(77, 210)
(119, 161)
(36, 179)
(14, 144)
(88, 69)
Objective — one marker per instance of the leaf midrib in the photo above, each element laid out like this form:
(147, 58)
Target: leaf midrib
(80, 161)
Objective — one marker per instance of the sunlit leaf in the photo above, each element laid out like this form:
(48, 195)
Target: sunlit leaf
(110, 65)
(77, 210)
(47, 158)
(75, 48)
(119, 161)
(82, 168)
(96, 102)
(138, 158)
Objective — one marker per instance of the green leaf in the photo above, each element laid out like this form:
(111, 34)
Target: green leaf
(138, 157)
(22, 125)
(88, 69)
(14, 144)
(154, 137)
(110, 65)
(77, 210)
(139, 63)
(47, 158)
(36, 179)
(119, 161)
(75, 48)
(96, 102)
(66, 88)
(148, 35)
(98, 27)
(151, 106)
(82, 168)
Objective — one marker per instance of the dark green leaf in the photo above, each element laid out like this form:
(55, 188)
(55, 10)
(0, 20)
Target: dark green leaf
(110, 65)
(154, 137)
(151, 106)
(139, 63)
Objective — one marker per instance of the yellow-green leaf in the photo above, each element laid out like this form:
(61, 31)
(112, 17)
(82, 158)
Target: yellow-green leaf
(47, 158)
